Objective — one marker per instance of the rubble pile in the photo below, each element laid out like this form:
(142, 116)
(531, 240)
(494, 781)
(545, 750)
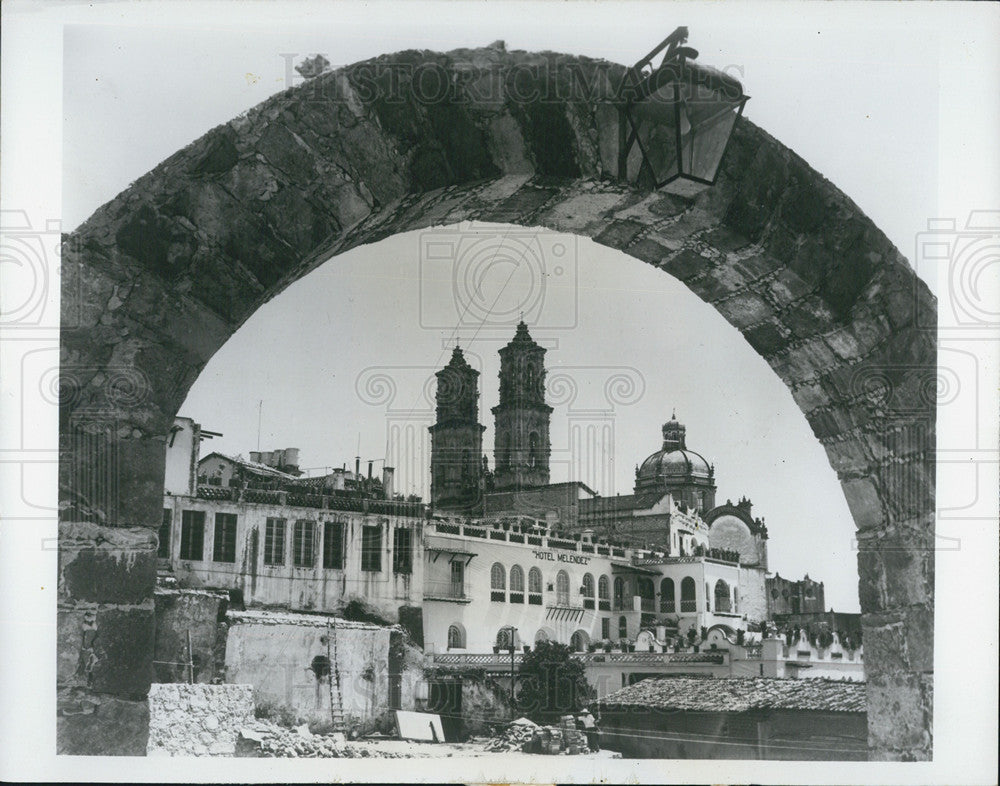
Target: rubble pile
(265, 739)
(528, 737)
(513, 737)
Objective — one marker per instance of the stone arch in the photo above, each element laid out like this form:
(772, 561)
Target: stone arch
(157, 280)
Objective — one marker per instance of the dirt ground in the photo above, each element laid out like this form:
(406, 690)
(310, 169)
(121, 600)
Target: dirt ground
(462, 750)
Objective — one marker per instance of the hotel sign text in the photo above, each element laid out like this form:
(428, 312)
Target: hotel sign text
(550, 556)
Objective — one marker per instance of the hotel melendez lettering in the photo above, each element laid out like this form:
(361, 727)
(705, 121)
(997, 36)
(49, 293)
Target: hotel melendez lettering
(550, 556)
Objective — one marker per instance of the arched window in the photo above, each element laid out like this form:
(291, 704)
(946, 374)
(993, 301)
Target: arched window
(688, 597)
(604, 593)
(736, 601)
(562, 588)
(588, 591)
(516, 584)
(533, 449)
(667, 604)
(506, 638)
(534, 587)
(498, 580)
(456, 638)
(541, 636)
(646, 592)
(722, 599)
(579, 640)
(623, 627)
(619, 593)
(708, 598)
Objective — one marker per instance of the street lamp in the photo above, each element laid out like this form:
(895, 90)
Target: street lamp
(511, 634)
(676, 119)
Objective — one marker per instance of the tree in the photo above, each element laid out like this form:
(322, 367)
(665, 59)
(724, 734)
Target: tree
(551, 682)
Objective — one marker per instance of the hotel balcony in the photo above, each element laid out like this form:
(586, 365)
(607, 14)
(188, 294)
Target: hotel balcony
(446, 591)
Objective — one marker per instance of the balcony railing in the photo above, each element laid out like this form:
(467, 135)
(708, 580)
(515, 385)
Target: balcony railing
(300, 499)
(526, 531)
(501, 661)
(689, 606)
(445, 590)
(723, 605)
(647, 604)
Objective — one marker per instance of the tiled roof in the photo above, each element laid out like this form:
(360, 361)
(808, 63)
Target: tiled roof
(741, 694)
(252, 466)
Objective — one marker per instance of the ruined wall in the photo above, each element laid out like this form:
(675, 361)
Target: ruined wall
(157, 280)
(273, 652)
(200, 613)
(197, 720)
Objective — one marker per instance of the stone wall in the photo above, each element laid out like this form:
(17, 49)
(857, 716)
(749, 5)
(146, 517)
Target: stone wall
(200, 613)
(274, 653)
(105, 638)
(157, 280)
(197, 720)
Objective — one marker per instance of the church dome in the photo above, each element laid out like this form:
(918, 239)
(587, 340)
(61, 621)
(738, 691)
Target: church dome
(674, 463)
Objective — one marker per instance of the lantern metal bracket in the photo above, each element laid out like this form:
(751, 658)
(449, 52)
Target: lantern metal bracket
(635, 87)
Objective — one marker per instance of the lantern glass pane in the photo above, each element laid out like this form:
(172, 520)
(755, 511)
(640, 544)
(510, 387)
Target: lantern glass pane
(703, 146)
(655, 122)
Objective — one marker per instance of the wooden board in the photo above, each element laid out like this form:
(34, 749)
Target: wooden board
(423, 726)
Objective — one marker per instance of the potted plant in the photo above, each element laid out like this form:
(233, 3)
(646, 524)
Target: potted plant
(607, 645)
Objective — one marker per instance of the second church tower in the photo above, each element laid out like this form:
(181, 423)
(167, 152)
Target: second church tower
(521, 429)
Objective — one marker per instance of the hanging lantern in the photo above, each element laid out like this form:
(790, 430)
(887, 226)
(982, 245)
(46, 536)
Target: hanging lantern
(677, 118)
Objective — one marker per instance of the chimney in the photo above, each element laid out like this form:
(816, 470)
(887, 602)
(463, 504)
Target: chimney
(388, 475)
(255, 456)
(357, 467)
(290, 458)
(370, 469)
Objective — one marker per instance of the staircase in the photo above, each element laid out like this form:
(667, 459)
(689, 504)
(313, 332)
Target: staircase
(333, 680)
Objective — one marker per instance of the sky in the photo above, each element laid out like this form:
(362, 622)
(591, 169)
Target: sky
(857, 95)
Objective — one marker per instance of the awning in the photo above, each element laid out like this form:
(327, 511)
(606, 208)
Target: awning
(455, 551)
(624, 567)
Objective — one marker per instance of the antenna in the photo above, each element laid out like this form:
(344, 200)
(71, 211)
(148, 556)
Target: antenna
(260, 414)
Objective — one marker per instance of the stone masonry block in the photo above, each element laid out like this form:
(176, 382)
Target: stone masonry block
(106, 564)
(863, 500)
(108, 650)
(894, 573)
(898, 715)
(110, 727)
(744, 309)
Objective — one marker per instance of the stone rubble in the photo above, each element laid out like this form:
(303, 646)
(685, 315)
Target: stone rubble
(262, 738)
(528, 737)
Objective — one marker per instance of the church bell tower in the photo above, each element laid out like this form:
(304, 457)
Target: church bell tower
(521, 446)
(456, 436)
